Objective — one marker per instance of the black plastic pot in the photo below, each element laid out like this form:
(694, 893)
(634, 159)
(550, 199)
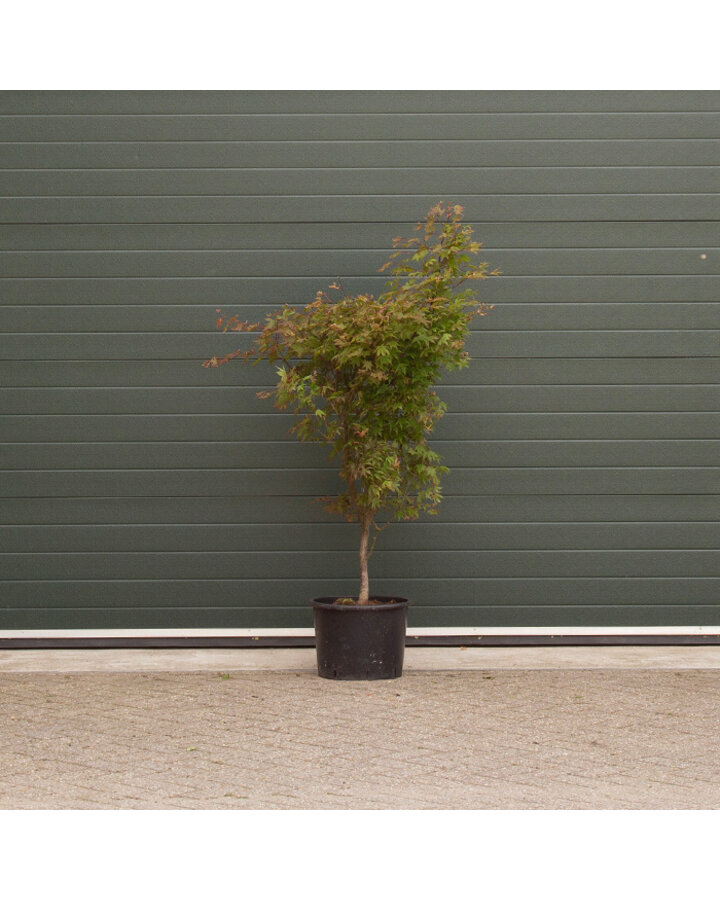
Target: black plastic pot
(360, 643)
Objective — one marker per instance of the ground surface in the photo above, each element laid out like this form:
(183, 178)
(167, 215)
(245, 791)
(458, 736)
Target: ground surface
(485, 739)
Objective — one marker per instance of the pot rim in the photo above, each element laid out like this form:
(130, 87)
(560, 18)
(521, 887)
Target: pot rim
(389, 603)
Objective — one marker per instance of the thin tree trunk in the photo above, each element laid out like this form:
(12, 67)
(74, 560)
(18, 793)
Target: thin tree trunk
(365, 522)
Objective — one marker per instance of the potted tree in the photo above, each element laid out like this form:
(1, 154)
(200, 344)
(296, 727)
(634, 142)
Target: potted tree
(359, 372)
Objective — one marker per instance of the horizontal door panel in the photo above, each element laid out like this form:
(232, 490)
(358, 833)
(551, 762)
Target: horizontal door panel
(269, 426)
(351, 236)
(234, 400)
(409, 565)
(272, 292)
(265, 616)
(236, 182)
(386, 208)
(532, 508)
(348, 263)
(314, 483)
(274, 426)
(207, 103)
(480, 343)
(188, 373)
(340, 535)
(344, 153)
(472, 593)
(362, 127)
(167, 455)
(282, 454)
(598, 317)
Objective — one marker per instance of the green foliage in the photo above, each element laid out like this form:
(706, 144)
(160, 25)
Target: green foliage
(359, 370)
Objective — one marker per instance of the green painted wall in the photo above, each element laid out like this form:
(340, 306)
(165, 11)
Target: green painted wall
(141, 490)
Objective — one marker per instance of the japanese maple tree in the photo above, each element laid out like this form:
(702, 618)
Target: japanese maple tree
(359, 372)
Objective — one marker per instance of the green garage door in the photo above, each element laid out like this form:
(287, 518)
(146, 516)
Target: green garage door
(141, 490)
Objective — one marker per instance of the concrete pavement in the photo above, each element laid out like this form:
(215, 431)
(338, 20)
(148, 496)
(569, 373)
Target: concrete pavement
(483, 728)
(417, 659)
